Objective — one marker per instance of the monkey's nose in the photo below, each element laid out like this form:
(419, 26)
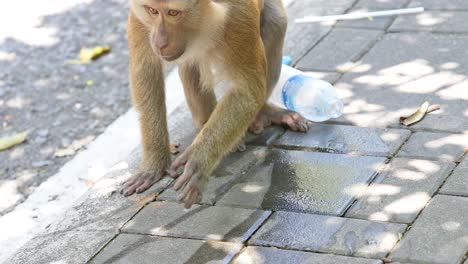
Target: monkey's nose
(162, 47)
(161, 44)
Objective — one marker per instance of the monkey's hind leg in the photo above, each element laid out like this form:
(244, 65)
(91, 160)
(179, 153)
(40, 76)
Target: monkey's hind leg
(273, 25)
(272, 115)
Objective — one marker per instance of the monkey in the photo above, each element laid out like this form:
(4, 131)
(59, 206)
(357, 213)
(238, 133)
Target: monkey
(238, 40)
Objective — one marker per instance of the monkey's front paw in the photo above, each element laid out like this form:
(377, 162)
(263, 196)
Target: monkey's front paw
(140, 182)
(239, 147)
(190, 183)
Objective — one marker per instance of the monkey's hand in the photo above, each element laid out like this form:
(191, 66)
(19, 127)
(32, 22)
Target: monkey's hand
(194, 177)
(141, 181)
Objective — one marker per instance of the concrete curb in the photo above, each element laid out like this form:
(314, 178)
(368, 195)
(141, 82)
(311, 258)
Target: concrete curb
(53, 197)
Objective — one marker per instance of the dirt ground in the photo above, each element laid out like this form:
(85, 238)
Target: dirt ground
(64, 106)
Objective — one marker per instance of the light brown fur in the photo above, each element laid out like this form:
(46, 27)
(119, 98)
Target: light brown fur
(242, 40)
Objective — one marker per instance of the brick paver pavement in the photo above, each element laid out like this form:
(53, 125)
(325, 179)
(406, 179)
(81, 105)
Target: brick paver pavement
(359, 189)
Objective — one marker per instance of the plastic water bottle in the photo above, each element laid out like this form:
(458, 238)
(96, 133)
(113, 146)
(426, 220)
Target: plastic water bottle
(314, 99)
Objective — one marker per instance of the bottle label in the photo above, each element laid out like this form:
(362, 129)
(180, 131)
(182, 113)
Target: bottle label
(290, 89)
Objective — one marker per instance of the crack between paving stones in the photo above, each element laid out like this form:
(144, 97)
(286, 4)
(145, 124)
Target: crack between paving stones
(179, 237)
(371, 181)
(387, 164)
(393, 126)
(428, 158)
(266, 245)
(304, 251)
(146, 204)
(411, 224)
(244, 248)
(323, 37)
(330, 151)
(435, 32)
(371, 45)
(228, 186)
(432, 130)
(103, 247)
(259, 227)
(119, 230)
(453, 195)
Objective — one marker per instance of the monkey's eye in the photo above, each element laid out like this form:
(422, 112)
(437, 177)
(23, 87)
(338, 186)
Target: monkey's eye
(151, 10)
(173, 12)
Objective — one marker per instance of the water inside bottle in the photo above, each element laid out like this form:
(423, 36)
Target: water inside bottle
(314, 99)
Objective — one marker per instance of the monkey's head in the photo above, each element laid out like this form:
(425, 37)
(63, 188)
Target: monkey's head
(174, 25)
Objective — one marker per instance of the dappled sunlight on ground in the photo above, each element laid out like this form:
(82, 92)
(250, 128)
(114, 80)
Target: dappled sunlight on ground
(412, 203)
(431, 19)
(374, 192)
(399, 73)
(431, 83)
(396, 75)
(22, 20)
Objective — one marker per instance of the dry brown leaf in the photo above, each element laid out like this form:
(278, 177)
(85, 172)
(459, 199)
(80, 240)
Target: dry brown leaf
(11, 141)
(433, 108)
(416, 116)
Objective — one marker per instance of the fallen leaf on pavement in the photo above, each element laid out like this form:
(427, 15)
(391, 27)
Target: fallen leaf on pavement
(417, 116)
(433, 108)
(11, 141)
(87, 55)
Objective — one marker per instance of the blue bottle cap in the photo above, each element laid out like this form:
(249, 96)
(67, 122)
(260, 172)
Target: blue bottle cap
(287, 60)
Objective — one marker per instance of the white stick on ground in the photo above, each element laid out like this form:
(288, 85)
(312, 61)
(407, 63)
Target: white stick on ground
(404, 11)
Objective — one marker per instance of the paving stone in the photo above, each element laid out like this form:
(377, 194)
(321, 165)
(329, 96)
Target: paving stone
(457, 183)
(442, 146)
(328, 234)
(231, 168)
(331, 77)
(439, 235)
(437, 21)
(303, 182)
(65, 247)
(201, 222)
(331, 55)
(103, 207)
(347, 139)
(400, 192)
(127, 248)
(441, 5)
(300, 38)
(387, 84)
(264, 255)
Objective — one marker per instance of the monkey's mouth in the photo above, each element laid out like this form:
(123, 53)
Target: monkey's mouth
(171, 57)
